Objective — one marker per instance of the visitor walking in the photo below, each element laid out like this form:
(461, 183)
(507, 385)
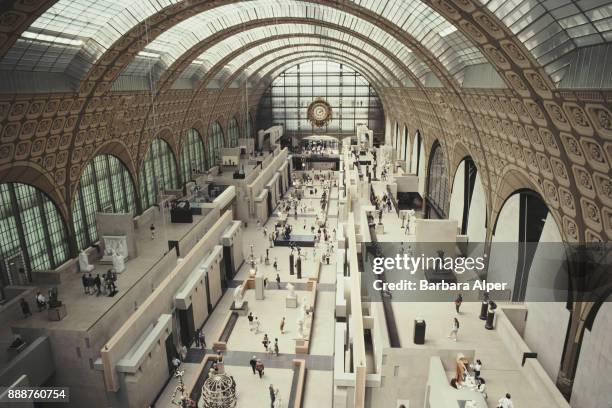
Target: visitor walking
(276, 350)
(25, 308)
(266, 342)
(259, 367)
(202, 339)
(253, 363)
(152, 228)
(505, 402)
(250, 317)
(454, 329)
(256, 324)
(272, 395)
(458, 302)
(477, 367)
(278, 281)
(41, 301)
(282, 326)
(85, 283)
(98, 284)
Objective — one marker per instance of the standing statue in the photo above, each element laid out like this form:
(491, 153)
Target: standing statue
(411, 221)
(84, 264)
(300, 327)
(238, 298)
(118, 262)
(291, 289)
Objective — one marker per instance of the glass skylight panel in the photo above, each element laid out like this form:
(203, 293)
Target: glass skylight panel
(200, 24)
(551, 29)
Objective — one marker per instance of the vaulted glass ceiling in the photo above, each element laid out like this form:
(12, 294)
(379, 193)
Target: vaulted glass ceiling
(213, 55)
(269, 73)
(263, 65)
(93, 26)
(552, 29)
(73, 34)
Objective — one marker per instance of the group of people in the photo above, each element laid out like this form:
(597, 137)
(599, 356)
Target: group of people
(257, 366)
(268, 346)
(199, 339)
(383, 203)
(100, 285)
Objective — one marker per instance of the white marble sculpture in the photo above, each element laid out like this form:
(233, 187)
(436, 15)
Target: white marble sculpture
(300, 328)
(238, 299)
(84, 264)
(304, 307)
(291, 289)
(114, 245)
(118, 263)
(411, 221)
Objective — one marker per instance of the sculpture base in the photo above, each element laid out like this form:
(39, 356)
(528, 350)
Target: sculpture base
(108, 259)
(291, 302)
(57, 313)
(241, 311)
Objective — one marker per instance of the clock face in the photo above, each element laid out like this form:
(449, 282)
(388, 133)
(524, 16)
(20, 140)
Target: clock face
(319, 112)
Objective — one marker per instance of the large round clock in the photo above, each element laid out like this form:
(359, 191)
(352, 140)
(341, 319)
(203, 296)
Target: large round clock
(319, 112)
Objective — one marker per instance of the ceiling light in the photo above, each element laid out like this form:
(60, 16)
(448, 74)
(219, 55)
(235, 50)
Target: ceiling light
(51, 38)
(148, 54)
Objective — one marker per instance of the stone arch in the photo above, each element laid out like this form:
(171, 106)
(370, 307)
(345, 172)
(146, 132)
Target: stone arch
(115, 148)
(34, 175)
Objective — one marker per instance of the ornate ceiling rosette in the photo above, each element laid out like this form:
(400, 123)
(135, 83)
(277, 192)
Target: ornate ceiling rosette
(319, 112)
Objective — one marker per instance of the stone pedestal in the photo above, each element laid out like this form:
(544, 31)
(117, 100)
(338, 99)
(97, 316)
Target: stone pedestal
(259, 287)
(291, 302)
(57, 313)
(243, 310)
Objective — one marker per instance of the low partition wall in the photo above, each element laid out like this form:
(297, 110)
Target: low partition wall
(302, 345)
(221, 338)
(531, 368)
(298, 385)
(270, 167)
(157, 303)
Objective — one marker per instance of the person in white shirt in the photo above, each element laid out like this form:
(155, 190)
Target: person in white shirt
(505, 402)
(454, 329)
(476, 367)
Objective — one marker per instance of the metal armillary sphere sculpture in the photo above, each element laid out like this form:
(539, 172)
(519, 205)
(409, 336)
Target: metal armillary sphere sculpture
(218, 391)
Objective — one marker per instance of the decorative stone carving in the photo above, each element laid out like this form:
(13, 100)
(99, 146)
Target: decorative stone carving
(572, 148)
(603, 185)
(114, 245)
(567, 201)
(594, 154)
(591, 214)
(584, 181)
(570, 228)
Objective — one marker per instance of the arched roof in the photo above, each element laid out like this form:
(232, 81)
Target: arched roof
(83, 38)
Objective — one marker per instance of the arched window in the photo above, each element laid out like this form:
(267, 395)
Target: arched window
(395, 139)
(158, 172)
(215, 143)
(32, 232)
(249, 127)
(233, 132)
(405, 156)
(193, 160)
(437, 190)
(105, 186)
